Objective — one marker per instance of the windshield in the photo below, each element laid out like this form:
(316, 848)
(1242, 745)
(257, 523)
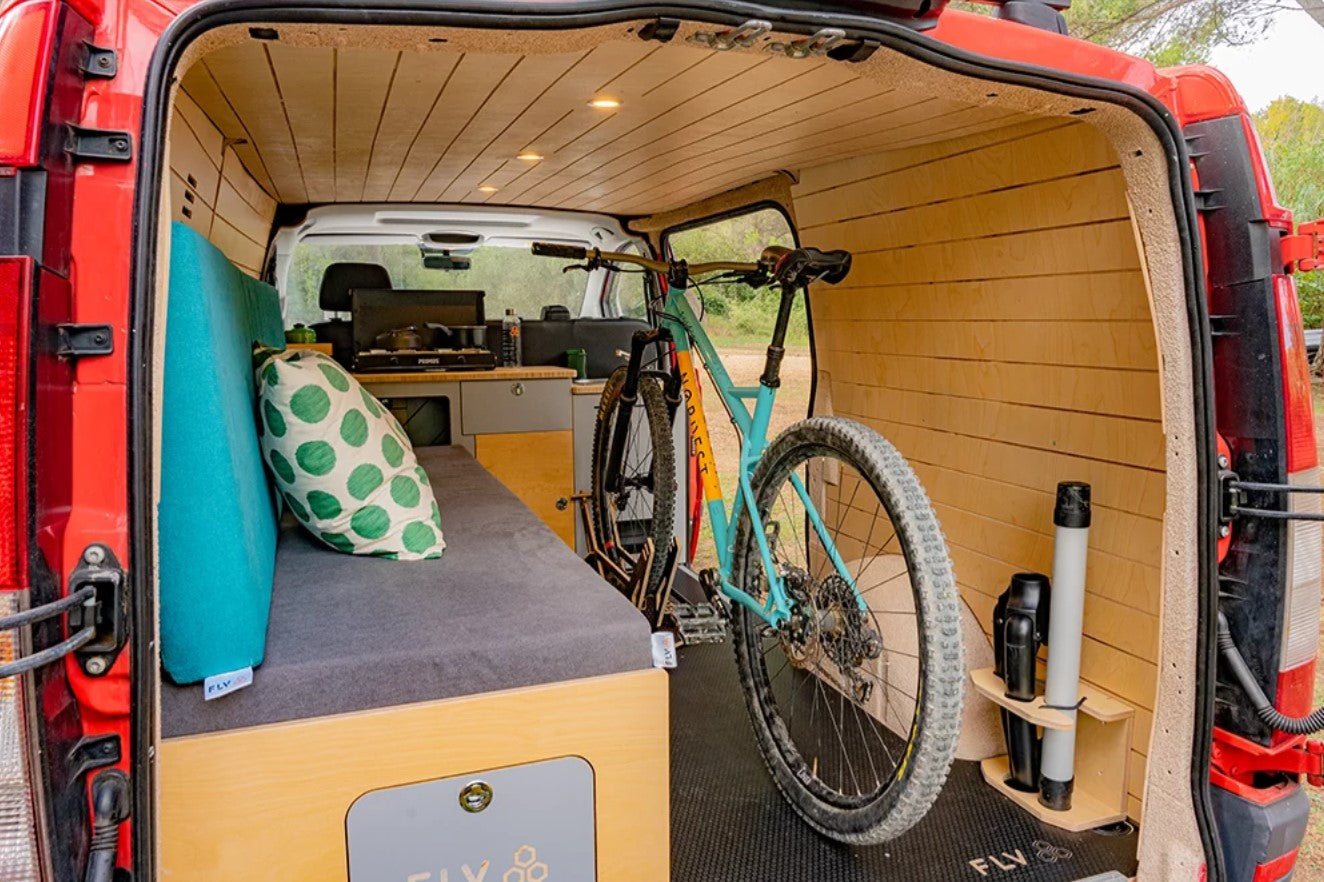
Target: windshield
(511, 276)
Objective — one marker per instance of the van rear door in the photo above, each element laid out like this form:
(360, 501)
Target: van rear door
(51, 749)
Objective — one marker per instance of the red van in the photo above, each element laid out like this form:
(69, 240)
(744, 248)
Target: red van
(1068, 266)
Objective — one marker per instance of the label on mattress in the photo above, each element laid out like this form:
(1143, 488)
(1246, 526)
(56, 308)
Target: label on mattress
(664, 649)
(223, 684)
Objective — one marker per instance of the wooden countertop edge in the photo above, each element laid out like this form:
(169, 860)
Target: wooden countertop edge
(519, 373)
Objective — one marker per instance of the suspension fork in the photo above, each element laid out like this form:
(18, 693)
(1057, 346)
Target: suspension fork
(639, 343)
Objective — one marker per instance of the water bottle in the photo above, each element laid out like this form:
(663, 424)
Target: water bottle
(511, 349)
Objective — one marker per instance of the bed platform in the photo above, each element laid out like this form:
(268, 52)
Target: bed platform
(508, 605)
(508, 651)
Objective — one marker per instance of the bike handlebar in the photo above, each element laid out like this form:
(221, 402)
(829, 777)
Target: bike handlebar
(785, 265)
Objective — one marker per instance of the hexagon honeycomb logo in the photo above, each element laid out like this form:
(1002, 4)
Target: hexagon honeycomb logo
(527, 867)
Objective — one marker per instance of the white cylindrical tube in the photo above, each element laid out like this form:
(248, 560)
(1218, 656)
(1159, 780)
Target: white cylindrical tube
(1071, 520)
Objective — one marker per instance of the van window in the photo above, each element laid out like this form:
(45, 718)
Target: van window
(737, 315)
(511, 275)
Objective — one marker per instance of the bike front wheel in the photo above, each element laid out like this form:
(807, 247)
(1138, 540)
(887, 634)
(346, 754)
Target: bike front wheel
(641, 503)
(856, 706)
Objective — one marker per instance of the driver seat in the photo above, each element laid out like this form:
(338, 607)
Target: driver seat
(336, 295)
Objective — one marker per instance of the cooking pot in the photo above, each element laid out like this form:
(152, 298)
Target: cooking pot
(397, 339)
(462, 336)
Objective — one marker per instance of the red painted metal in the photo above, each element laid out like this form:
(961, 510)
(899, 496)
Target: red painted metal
(1304, 250)
(1276, 869)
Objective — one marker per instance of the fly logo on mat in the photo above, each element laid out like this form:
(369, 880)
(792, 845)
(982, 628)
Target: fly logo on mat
(1039, 852)
(524, 867)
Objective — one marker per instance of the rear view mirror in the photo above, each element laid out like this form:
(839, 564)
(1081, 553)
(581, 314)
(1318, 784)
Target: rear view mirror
(445, 261)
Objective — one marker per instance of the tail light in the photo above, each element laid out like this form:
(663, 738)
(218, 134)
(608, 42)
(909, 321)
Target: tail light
(27, 37)
(1305, 539)
(18, 836)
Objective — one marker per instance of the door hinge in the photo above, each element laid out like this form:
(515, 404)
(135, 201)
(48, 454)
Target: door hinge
(98, 145)
(100, 63)
(1306, 759)
(1304, 250)
(81, 341)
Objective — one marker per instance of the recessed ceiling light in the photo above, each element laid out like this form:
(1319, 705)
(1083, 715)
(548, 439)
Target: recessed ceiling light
(530, 156)
(487, 188)
(604, 103)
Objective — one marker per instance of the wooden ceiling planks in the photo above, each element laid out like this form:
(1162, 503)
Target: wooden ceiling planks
(337, 124)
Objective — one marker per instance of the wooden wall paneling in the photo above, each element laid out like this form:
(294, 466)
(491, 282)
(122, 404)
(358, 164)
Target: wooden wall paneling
(198, 164)
(199, 98)
(1118, 486)
(244, 76)
(904, 180)
(1107, 245)
(1097, 296)
(599, 66)
(1077, 199)
(517, 92)
(417, 83)
(996, 329)
(363, 79)
(306, 87)
(1111, 346)
(474, 78)
(242, 251)
(187, 207)
(1125, 393)
(819, 177)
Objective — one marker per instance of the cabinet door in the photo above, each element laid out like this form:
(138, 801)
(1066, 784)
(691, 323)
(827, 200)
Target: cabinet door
(536, 467)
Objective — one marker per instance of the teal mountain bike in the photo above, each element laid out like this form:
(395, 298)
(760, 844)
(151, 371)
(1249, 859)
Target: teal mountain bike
(831, 563)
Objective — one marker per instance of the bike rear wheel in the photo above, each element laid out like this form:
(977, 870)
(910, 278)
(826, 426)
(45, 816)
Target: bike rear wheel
(856, 710)
(644, 504)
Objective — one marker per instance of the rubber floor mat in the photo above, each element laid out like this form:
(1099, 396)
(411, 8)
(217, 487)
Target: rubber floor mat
(730, 824)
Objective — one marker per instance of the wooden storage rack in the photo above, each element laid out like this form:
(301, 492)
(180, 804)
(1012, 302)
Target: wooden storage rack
(1103, 754)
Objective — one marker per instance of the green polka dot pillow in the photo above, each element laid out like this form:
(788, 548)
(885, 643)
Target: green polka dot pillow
(341, 462)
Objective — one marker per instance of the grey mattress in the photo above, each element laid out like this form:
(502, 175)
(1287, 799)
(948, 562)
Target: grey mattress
(507, 605)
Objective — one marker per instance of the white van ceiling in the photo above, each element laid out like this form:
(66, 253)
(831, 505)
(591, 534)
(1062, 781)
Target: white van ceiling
(316, 124)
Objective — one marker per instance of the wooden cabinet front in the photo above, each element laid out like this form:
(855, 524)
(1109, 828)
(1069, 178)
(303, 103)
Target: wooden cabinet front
(536, 466)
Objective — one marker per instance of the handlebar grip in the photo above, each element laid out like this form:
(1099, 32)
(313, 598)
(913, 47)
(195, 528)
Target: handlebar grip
(551, 249)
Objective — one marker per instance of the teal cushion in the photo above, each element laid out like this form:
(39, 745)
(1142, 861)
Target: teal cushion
(217, 515)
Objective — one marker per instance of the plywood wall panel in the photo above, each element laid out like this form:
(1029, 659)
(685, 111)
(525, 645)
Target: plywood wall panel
(212, 191)
(260, 111)
(996, 328)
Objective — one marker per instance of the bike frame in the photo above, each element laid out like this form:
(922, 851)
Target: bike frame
(688, 334)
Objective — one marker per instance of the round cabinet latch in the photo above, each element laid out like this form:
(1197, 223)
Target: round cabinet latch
(476, 796)
(517, 389)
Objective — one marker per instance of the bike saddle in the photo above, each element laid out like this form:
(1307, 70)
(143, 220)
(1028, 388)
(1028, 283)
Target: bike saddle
(799, 266)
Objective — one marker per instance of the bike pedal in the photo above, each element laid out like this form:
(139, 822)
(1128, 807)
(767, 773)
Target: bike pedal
(699, 623)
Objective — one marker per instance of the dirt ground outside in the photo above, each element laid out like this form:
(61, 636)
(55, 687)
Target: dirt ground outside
(745, 365)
